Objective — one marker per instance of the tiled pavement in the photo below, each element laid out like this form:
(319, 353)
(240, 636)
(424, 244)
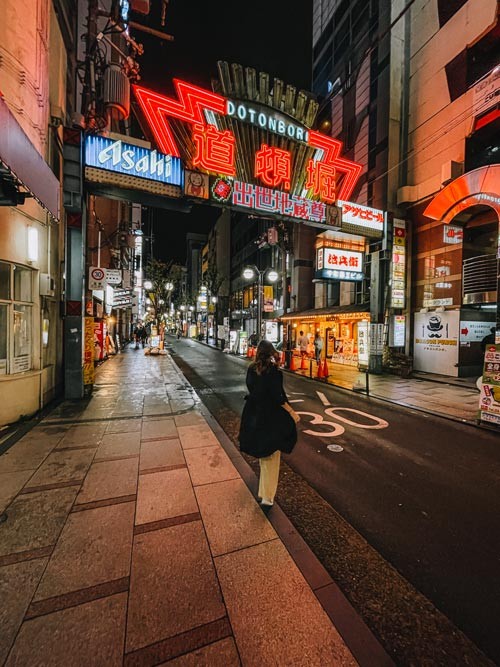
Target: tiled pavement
(132, 538)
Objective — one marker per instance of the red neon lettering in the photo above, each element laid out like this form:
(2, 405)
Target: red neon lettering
(215, 150)
(190, 107)
(332, 148)
(343, 260)
(321, 179)
(273, 166)
(354, 261)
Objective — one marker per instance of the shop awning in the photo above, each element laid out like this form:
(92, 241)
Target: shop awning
(23, 165)
(331, 311)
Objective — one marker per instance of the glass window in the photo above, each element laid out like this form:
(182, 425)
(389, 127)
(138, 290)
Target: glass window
(4, 281)
(3, 339)
(22, 339)
(22, 284)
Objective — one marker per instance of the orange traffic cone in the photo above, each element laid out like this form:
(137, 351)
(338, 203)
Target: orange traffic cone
(293, 367)
(249, 352)
(282, 358)
(303, 365)
(319, 374)
(325, 371)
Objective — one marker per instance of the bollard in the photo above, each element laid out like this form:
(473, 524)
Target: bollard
(310, 368)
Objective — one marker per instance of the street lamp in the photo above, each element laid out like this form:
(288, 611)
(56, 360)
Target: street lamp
(148, 284)
(249, 273)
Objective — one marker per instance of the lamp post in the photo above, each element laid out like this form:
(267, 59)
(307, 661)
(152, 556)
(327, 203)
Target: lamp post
(249, 273)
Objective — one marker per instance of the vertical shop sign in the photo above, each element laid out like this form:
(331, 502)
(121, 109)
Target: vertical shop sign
(363, 343)
(489, 401)
(398, 265)
(88, 352)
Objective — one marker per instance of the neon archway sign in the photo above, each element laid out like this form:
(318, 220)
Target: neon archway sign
(329, 176)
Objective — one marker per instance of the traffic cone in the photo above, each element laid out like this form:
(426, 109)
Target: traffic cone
(282, 358)
(249, 352)
(325, 372)
(303, 365)
(319, 374)
(293, 367)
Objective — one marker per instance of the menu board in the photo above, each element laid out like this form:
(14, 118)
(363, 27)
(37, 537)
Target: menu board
(489, 401)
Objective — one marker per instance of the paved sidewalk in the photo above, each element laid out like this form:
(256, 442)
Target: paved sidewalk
(132, 538)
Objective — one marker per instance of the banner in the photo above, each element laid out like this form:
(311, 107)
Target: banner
(88, 352)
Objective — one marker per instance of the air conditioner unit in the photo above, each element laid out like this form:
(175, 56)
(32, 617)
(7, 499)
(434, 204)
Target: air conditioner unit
(47, 285)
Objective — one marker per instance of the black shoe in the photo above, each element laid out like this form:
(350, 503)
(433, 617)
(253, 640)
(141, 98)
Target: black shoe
(265, 507)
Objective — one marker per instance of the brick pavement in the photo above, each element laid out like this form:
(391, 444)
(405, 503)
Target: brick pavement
(132, 539)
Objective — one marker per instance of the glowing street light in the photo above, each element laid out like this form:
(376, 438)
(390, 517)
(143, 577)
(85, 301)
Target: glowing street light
(249, 273)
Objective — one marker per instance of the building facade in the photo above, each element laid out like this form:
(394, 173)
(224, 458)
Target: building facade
(36, 49)
(450, 180)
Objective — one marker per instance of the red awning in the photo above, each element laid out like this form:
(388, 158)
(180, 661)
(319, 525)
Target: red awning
(26, 164)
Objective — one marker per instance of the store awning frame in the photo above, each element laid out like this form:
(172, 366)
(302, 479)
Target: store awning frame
(25, 165)
(353, 311)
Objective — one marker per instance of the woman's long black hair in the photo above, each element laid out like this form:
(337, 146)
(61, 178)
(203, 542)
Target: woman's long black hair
(265, 357)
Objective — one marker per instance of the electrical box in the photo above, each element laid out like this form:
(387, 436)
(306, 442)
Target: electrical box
(47, 285)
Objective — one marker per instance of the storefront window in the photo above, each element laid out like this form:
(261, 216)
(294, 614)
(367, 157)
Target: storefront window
(4, 280)
(22, 284)
(22, 339)
(15, 318)
(3, 340)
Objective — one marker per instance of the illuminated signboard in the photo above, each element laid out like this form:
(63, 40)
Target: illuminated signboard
(452, 234)
(257, 198)
(398, 265)
(358, 219)
(131, 160)
(326, 176)
(339, 264)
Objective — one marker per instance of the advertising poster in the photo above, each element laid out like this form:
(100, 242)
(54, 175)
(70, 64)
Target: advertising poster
(242, 342)
(489, 401)
(88, 351)
(271, 331)
(436, 342)
(99, 338)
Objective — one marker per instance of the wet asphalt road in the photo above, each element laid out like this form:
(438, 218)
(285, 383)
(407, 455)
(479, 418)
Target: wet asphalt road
(423, 491)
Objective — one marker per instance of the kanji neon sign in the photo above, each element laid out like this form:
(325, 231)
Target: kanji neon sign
(273, 166)
(215, 149)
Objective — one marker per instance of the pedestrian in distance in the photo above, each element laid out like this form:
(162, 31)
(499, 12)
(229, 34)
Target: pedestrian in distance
(303, 343)
(253, 340)
(489, 339)
(268, 423)
(318, 347)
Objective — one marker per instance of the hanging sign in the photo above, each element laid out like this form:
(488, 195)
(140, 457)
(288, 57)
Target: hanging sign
(131, 160)
(213, 148)
(363, 220)
(339, 264)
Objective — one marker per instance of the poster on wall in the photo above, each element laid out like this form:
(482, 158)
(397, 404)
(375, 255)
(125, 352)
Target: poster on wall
(271, 331)
(489, 401)
(436, 342)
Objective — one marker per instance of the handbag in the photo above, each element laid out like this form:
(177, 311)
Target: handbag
(291, 412)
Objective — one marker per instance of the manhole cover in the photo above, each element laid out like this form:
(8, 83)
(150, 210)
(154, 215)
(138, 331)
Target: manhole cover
(335, 448)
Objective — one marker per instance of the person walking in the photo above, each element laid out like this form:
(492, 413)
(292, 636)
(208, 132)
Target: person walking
(268, 423)
(303, 344)
(318, 347)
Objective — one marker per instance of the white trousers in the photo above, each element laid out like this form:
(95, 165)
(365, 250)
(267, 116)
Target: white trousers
(268, 479)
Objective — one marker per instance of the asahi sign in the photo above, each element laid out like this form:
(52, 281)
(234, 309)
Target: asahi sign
(124, 158)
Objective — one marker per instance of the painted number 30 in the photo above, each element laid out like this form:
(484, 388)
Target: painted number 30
(338, 429)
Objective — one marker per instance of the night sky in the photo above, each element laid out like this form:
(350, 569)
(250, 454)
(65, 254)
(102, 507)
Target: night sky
(273, 36)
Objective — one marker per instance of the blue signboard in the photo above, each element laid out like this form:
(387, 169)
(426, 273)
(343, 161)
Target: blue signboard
(122, 158)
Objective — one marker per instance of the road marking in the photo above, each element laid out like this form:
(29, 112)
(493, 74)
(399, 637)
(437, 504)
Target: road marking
(323, 398)
(335, 448)
(296, 400)
(379, 423)
(318, 419)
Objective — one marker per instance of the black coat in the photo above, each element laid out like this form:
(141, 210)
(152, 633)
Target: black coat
(266, 426)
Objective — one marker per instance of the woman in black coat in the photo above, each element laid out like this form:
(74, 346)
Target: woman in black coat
(268, 422)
